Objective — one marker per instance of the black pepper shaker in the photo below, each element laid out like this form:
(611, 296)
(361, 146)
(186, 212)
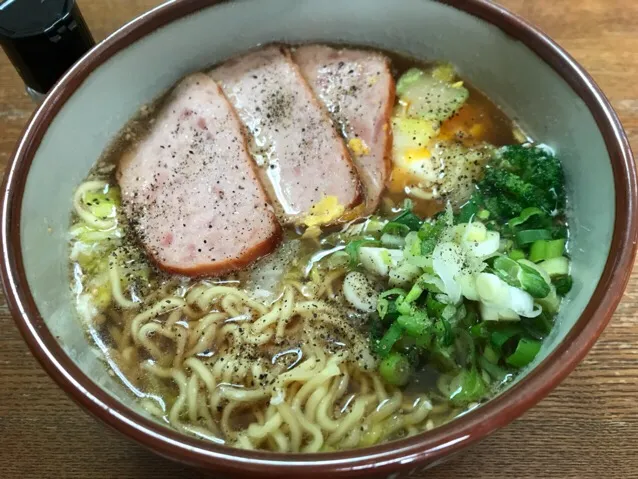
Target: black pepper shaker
(43, 39)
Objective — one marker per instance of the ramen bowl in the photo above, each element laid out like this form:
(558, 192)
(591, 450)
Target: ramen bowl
(532, 79)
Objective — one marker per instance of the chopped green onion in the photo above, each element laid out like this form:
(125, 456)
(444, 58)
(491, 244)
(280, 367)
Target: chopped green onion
(507, 269)
(525, 215)
(404, 307)
(491, 355)
(538, 327)
(525, 352)
(555, 266)
(395, 228)
(522, 276)
(434, 307)
(480, 330)
(415, 325)
(468, 386)
(483, 215)
(563, 284)
(393, 292)
(468, 211)
(408, 219)
(382, 307)
(352, 248)
(414, 293)
(543, 249)
(395, 369)
(443, 331)
(526, 237)
(391, 336)
(500, 336)
(517, 254)
(492, 369)
(532, 282)
(429, 234)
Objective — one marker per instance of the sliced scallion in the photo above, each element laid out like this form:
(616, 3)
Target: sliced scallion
(391, 336)
(526, 237)
(395, 369)
(525, 352)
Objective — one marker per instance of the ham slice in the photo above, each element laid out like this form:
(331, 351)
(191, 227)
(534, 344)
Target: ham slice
(358, 90)
(301, 157)
(189, 188)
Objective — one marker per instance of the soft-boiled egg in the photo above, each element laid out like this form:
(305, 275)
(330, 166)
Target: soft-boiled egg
(427, 168)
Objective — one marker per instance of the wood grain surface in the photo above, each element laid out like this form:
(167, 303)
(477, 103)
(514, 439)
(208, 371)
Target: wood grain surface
(587, 428)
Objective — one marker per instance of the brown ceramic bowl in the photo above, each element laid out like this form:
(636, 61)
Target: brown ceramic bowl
(526, 73)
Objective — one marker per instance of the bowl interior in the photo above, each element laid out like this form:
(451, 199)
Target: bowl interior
(512, 75)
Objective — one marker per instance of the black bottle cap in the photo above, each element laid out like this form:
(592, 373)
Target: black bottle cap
(43, 38)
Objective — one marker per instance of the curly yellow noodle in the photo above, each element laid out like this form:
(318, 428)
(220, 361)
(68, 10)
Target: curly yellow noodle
(228, 389)
(83, 213)
(116, 288)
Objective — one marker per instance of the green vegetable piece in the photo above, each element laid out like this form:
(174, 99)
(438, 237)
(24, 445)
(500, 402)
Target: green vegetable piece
(508, 270)
(395, 369)
(538, 250)
(394, 228)
(497, 373)
(408, 78)
(434, 308)
(391, 336)
(480, 330)
(555, 266)
(526, 237)
(408, 219)
(525, 215)
(483, 215)
(521, 276)
(525, 352)
(540, 167)
(532, 282)
(538, 327)
(415, 325)
(469, 209)
(516, 254)
(444, 72)
(382, 307)
(491, 355)
(503, 182)
(521, 181)
(499, 338)
(563, 284)
(544, 249)
(430, 95)
(468, 386)
(429, 234)
(103, 204)
(393, 292)
(414, 293)
(500, 206)
(443, 332)
(352, 249)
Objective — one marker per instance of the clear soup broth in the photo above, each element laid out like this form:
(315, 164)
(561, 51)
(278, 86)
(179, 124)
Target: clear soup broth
(357, 328)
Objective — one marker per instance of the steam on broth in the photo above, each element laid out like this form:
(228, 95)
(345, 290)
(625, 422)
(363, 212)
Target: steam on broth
(367, 321)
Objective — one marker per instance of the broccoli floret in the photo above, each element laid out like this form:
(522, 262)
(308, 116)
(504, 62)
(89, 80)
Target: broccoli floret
(502, 182)
(520, 177)
(502, 207)
(537, 166)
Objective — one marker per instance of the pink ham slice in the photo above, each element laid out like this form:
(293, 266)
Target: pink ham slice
(189, 187)
(301, 157)
(358, 89)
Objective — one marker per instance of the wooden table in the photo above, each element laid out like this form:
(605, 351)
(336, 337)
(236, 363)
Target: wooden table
(588, 427)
